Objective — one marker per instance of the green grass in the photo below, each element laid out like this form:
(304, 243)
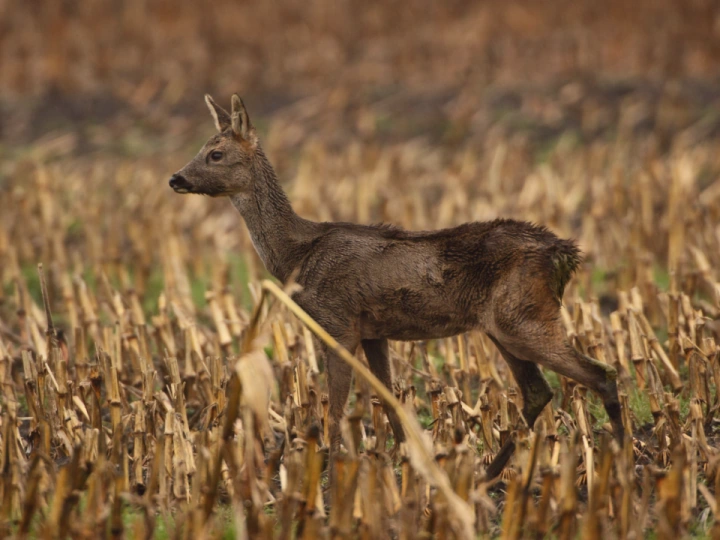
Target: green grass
(639, 402)
(32, 280)
(165, 525)
(153, 288)
(548, 146)
(553, 379)
(240, 278)
(425, 418)
(383, 123)
(640, 406)
(198, 288)
(661, 278)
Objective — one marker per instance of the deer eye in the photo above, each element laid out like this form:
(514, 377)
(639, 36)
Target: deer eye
(216, 156)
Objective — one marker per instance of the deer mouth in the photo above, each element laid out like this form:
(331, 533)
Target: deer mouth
(180, 184)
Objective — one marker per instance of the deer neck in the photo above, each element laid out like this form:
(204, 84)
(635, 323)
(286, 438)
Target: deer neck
(280, 237)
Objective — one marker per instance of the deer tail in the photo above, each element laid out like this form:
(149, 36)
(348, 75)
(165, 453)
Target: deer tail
(565, 257)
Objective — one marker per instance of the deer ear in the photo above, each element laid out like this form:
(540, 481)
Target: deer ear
(241, 125)
(220, 115)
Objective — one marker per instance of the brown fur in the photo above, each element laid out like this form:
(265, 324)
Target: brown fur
(368, 284)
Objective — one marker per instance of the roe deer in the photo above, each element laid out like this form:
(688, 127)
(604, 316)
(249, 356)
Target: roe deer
(368, 284)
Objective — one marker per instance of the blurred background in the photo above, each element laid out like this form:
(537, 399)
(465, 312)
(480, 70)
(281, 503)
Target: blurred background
(589, 117)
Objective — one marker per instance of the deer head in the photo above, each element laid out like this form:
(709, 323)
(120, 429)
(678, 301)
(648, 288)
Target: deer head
(224, 166)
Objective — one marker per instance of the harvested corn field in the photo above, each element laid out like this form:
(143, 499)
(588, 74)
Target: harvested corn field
(155, 382)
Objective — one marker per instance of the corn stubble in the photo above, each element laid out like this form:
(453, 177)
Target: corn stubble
(127, 389)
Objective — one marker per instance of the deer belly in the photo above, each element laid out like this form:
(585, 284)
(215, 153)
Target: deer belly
(414, 317)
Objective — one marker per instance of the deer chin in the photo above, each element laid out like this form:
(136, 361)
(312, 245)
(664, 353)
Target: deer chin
(216, 194)
(209, 192)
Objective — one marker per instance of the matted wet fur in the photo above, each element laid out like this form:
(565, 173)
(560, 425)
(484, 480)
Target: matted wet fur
(368, 284)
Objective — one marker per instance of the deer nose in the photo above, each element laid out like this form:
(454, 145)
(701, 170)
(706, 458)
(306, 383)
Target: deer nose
(179, 183)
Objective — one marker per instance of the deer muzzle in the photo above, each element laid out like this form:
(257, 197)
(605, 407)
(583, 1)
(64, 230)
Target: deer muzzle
(180, 184)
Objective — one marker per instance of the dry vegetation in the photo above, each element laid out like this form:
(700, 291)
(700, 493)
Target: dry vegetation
(152, 383)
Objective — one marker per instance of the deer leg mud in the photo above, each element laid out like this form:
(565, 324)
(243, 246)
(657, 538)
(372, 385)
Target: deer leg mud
(603, 380)
(376, 351)
(536, 393)
(597, 376)
(565, 360)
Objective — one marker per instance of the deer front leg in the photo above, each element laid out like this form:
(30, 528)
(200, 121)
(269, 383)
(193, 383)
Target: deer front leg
(376, 351)
(339, 380)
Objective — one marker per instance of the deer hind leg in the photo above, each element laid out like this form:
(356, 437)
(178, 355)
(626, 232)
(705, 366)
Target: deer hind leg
(547, 345)
(376, 351)
(597, 376)
(536, 395)
(536, 391)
